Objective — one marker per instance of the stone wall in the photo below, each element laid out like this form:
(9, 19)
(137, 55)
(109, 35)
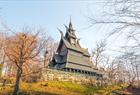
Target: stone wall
(52, 74)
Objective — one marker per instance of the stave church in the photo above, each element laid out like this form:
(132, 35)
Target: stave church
(71, 57)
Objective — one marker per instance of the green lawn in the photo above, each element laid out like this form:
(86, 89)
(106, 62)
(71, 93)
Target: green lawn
(57, 88)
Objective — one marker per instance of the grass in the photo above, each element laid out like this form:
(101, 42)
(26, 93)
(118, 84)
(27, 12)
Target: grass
(58, 88)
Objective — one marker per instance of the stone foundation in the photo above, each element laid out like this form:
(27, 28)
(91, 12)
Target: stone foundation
(53, 74)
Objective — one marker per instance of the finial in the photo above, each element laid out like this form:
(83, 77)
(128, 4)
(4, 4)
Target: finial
(66, 26)
(70, 19)
(70, 24)
(67, 29)
(78, 42)
(62, 35)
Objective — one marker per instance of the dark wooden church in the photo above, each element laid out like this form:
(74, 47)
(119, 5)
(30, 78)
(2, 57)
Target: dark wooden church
(71, 57)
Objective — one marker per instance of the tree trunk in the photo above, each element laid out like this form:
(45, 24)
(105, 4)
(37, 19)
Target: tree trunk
(18, 76)
(4, 82)
(138, 84)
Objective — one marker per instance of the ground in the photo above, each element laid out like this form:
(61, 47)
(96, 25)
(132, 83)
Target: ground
(58, 88)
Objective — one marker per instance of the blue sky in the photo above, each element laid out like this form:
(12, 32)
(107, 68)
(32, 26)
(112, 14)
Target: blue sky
(51, 15)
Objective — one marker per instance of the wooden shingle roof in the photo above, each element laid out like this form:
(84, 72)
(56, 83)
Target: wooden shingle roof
(75, 47)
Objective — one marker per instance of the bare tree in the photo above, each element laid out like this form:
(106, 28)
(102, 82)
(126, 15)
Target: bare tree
(124, 17)
(2, 44)
(20, 49)
(49, 49)
(32, 72)
(131, 61)
(97, 53)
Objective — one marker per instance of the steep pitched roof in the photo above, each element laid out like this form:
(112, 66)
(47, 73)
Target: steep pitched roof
(75, 47)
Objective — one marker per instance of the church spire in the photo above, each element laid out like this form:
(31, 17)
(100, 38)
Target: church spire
(70, 26)
(70, 34)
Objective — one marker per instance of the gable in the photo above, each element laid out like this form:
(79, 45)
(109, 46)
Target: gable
(75, 48)
(63, 50)
(61, 46)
